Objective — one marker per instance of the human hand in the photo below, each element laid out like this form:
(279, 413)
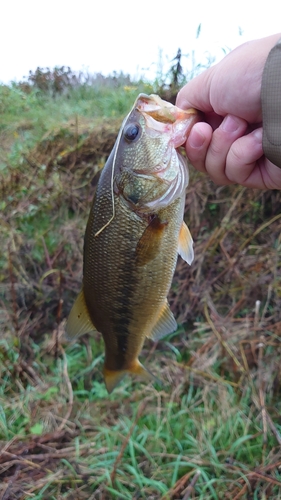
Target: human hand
(228, 146)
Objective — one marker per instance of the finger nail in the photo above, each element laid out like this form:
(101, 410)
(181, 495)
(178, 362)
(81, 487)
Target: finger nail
(196, 139)
(230, 124)
(258, 135)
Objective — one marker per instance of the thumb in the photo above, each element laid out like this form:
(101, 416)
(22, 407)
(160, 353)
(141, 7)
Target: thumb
(196, 93)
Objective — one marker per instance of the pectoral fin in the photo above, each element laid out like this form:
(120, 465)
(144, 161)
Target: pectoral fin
(79, 321)
(185, 248)
(148, 246)
(165, 324)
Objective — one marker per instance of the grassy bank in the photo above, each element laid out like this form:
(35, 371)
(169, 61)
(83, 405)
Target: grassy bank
(212, 430)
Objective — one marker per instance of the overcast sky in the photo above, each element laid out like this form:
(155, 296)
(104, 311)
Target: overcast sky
(107, 35)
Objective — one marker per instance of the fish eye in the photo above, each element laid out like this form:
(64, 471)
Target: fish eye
(131, 132)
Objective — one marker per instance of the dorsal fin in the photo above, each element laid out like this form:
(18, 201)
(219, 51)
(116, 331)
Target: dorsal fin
(79, 321)
(185, 248)
(165, 324)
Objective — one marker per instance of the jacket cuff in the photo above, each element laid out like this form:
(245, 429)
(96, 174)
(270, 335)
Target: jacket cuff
(271, 105)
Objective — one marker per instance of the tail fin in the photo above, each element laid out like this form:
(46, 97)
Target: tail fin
(113, 377)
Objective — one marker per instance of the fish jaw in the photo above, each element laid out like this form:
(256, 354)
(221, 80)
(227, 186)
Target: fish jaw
(151, 173)
(176, 187)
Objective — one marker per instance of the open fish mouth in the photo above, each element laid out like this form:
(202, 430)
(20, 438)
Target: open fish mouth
(162, 111)
(162, 116)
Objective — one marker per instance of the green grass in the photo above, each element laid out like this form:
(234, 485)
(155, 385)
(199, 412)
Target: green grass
(26, 117)
(183, 428)
(212, 429)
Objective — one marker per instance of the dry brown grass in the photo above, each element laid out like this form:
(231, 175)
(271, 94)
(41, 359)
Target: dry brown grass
(228, 303)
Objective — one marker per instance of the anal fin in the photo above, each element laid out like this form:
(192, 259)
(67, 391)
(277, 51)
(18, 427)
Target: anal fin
(79, 321)
(165, 324)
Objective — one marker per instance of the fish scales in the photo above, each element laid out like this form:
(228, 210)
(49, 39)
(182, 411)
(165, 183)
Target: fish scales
(133, 238)
(127, 296)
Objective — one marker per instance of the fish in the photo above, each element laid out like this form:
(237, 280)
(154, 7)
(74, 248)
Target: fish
(133, 236)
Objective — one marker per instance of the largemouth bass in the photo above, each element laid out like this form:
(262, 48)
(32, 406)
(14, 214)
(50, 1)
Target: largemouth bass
(134, 233)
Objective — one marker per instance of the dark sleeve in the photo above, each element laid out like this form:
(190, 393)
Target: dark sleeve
(271, 105)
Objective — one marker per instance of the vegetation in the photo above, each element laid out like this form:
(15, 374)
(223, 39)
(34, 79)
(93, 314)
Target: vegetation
(213, 429)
